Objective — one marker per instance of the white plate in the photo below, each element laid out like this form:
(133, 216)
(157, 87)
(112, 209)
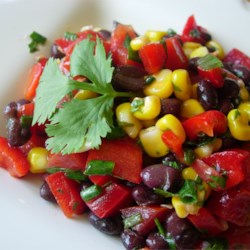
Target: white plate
(26, 221)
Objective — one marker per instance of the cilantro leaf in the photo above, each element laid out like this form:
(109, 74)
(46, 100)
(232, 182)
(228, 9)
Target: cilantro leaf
(53, 86)
(80, 123)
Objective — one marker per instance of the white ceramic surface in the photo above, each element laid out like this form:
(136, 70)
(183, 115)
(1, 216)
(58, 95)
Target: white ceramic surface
(26, 221)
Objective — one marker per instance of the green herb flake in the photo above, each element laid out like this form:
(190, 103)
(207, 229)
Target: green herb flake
(217, 243)
(98, 167)
(171, 32)
(136, 104)
(209, 62)
(69, 36)
(176, 88)
(188, 192)
(149, 79)
(132, 221)
(26, 121)
(36, 40)
(236, 114)
(217, 181)
(195, 33)
(189, 156)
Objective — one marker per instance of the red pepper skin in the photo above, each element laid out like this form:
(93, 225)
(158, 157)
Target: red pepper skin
(211, 123)
(13, 159)
(114, 197)
(26, 110)
(126, 155)
(153, 56)
(66, 193)
(118, 50)
(207, 222)
(236, 56)
(148, 213)
(215, 76)
(176, 58)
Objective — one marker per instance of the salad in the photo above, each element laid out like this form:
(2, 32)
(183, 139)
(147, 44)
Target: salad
(148, 134)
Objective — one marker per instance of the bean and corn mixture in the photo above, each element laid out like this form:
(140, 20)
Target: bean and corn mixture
(148, 134)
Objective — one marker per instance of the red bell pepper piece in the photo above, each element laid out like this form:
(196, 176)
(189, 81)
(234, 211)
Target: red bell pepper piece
(126, 155)
(215, 76)
(173, 142)
(153, 56)
(114, 197)
(26, 110)
(236, 56)
(176, 58)
(207, 222)
(33, 79)
(71, 161)
(12, 159)
(210, 122)
(66, 193)
(118, 49)
(193, 32)
(148, 214)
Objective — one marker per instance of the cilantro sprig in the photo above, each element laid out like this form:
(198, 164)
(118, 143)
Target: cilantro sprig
(79, 124)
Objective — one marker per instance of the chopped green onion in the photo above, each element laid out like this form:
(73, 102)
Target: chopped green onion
(136, 104)
(171, 32)
(36, 39)
(164, 193)
(91, 192)
(160, 227)
(70, 173)
(149, 80)
(26, 121)
(133, 220)
(188, 192)
(98, 167)
(217, 181)
(69, 36)
(209, 61)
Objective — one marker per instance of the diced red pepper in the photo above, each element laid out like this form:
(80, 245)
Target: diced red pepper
(13, 159)
(215, 76)
(72, 161)
(211, 123)
(26, 110)
(153, 56)
(66, 193)
(207, 222)
(114, 197)
(118, 49)
(126, 155)
(33, 79)
(173, 142)
(148, 214)
(235, 56)
(176, 58)
(102, 179)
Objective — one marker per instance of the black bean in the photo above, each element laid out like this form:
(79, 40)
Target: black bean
(230, 89)
(155, 241)
(144, 196)
(183, 232)
(46, 193)
(56, 52)
(132, 240)
(21, 102)
(106, 34)
(110, 226)
(242, 72)
(161, 176)
(10, 110)
(207, 95)
(170, 106)
(192, 65)
(225, 105)
(129, 78)
(170, 160)
(229, 142)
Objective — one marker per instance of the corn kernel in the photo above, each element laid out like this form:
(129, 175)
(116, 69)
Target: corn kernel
(152, 143)
(181, 84)
(190, 108)
(244, 94)
(161, 86)
(127, 121)
(207, 149)
(189, 47)
(85, 94)
(189, 174)
(148, 123)
(155, 35)
(37, 158)
(146, 108)
(219, 51)
(138, 42)
(200, 52)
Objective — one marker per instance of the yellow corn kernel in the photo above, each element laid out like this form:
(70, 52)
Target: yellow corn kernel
(127, 121)
(161, 86)
(181, 84)
(200, 52)
(238, 122)
(169, 121)
(148, 123)
(85, 94)
(190, 108)
(146, 108)
(244, 94)
(152, 143)
(189, 173)
(155, 35)
(138, 42)
(182, 209)
(219, 51)
(189, 47)
(37, 158)
(194, 91)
